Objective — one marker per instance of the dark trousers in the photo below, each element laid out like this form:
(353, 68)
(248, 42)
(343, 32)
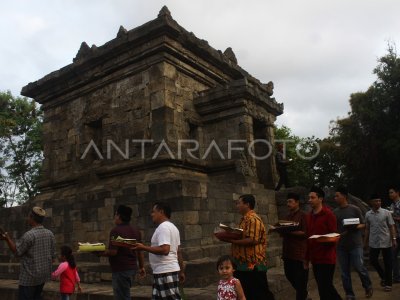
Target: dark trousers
(30, 292)
(297, 276)
(396, 267)
(387, 261)
(255, 285)
(283, 178)
(323, 274)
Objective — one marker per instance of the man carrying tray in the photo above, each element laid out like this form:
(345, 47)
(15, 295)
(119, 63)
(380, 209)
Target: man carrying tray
(321, 221)
(350, 246)
(249, 251)
(294, 245)
(123, 260)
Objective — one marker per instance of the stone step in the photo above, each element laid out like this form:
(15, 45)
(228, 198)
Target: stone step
(203, 272)
(103, 291)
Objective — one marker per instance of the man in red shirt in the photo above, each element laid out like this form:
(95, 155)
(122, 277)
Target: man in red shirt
(321, 220)
(294, 245)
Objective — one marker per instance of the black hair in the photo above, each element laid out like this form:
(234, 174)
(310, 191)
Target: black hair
(162, 206)
(249, 199)
(294, 196)
(125, 213)
(343, 190)
(374, 196)
(315, 189)
(38, 219)
(225, 258)
(67, 252)
(395, 188)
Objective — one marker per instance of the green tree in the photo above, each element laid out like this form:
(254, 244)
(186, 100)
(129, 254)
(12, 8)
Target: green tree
(369, 136)
(299, 169)
(20, 148)
(326, 168)
(315, 161)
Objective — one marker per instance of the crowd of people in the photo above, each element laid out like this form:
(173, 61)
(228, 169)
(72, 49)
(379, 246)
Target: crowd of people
(378, 231)
(244, 271)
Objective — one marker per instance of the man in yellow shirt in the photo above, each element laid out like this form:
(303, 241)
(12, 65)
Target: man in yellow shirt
(249, 252)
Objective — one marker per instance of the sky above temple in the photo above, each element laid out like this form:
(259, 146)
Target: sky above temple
(316, 52)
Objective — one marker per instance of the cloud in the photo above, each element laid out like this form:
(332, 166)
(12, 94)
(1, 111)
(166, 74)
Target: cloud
(316, 52)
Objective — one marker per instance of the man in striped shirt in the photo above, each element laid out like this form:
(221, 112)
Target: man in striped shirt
(249, 252)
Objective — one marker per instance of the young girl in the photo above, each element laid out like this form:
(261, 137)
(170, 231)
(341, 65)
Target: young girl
(67, 273)
(229, 287)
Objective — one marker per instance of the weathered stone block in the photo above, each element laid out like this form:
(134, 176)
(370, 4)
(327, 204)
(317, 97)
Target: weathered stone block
(105, 213)
(192, 232)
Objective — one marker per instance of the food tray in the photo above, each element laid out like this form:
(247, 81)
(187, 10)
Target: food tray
(87, 247)
(225, 235)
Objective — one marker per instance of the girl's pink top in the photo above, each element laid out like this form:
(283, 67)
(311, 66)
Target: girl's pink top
(68, 277)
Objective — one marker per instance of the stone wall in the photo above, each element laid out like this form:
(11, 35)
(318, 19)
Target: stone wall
(198, 207)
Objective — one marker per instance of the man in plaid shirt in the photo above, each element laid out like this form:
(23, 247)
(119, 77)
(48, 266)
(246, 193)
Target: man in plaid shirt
(36, 249)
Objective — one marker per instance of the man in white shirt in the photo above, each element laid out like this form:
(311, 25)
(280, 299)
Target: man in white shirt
(164, 255)
(380, 236)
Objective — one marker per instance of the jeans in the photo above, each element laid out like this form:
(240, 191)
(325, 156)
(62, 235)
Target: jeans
(65, 296)
(396, 270)
(387, 261)
(323, 274)
(353, 258)
(30, 292)
(121, 283)
(297, 276)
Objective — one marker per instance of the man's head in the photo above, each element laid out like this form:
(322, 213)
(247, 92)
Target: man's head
(279, 147)
(246, 203)
(123, 213)
(394, 192)
(375, 201)
(293, 201)
(36, 215)
(161, 211)
(341, 195)
(315, 197)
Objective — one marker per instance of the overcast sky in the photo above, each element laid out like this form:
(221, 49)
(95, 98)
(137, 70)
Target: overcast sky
(317, 52)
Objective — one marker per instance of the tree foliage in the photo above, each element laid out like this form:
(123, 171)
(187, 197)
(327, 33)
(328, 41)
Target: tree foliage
(20, 148)
(315, 161)
(299, 169)
(369, 136)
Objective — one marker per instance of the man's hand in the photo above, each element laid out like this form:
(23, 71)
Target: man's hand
(137, 246)
(226, 240)
(182, 276)
(142, 272)
(394, 243)
(4, 236)
(366, 246)
(306, 264)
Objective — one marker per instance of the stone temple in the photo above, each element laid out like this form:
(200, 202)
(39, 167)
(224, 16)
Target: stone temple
(155, 114)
